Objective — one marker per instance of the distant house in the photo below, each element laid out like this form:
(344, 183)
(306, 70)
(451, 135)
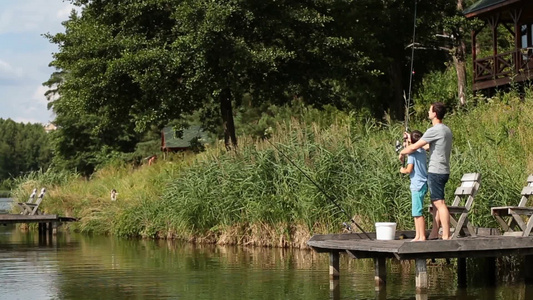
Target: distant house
(49, 127)
(173, 140)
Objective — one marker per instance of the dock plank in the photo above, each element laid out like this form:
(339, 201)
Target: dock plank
(17, 218)
(482, 246)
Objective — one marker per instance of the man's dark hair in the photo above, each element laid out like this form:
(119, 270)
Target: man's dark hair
(415, 136)
(440, 109)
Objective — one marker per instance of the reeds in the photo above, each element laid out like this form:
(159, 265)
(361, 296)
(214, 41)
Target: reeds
(255, 195)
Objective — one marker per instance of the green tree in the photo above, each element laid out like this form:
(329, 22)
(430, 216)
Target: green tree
(125, 66)
(23, 148)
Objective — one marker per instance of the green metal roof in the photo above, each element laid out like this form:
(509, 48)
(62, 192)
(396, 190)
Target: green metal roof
(481, 4)
(172, 139)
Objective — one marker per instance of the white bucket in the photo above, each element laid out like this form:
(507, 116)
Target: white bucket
(385, 230)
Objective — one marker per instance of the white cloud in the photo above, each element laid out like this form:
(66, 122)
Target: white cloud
(39, 96)
(26, 120)
(4, 67)
(64, 12)
(33, 15)
(25, 55)
(7, 71)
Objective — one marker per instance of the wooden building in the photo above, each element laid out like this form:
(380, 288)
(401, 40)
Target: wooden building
(502, 50)
(173, 140)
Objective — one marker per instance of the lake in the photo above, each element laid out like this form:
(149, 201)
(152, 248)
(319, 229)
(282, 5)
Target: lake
(5, 204)
(77, 266)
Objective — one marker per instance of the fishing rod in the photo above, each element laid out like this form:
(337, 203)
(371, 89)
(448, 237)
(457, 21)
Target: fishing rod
(407, 100)
(321, 190)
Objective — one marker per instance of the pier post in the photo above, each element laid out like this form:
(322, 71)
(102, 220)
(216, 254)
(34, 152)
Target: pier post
(461, 272)
(421, 275)
(334, 289)
(334, 271)
(54, 228)
(491, 270)
(380, 272)
(528, 269)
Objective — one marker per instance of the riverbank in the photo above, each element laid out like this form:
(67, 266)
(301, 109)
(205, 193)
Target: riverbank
(254, 196)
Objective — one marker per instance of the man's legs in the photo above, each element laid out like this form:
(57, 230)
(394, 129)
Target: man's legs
(435, 225)
(442, 217)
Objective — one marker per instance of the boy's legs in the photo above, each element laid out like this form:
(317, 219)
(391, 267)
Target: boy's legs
(441, 215)
(420, 228)
(417, 199)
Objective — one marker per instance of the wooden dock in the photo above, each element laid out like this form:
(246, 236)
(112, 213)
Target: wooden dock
(359, 246)
(46, 222)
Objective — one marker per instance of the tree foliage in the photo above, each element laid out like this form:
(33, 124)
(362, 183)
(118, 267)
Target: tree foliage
(126, 66)
(23, 148)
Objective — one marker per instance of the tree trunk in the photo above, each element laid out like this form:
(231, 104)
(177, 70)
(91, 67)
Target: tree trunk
(460, 68)
(459, 61)
(226, 111)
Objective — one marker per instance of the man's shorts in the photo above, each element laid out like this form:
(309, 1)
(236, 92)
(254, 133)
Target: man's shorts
(436, 183)
(417, 200)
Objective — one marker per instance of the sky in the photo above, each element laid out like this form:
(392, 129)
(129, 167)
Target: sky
(25, 55)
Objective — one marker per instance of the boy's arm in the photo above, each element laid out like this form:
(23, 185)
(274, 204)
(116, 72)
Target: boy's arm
(407, 170)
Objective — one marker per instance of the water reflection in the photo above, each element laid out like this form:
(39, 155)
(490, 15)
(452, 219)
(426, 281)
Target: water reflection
(73, 266)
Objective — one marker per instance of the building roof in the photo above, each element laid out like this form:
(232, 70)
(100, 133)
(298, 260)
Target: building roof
(49, 127)
(483, 6)
(172, 140)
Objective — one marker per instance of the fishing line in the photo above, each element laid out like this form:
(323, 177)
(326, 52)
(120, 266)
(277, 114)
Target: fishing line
(408, 104)
(321, 190)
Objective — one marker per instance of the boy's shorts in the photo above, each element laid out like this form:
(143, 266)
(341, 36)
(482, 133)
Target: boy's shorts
(436, 183)
(417, 200)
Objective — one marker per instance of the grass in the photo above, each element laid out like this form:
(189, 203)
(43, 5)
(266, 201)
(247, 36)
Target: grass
(256, 196)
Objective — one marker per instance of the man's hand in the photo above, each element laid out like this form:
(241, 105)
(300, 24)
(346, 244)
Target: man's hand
(401, 157)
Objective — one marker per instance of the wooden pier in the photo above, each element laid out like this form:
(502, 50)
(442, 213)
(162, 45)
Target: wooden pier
(46, 222)
(359, 246)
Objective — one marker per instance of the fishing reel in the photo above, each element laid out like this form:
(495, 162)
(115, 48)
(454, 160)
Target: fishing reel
(347, 226)
(399, 145)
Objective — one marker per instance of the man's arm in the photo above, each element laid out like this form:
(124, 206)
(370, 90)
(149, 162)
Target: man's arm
(412, 148)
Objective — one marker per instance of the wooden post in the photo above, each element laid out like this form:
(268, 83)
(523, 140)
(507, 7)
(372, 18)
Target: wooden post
(54, 229)
(334, 289)
(491, 270)
(420, 296)
(528, 269)
(381, 294)
(334, 271)
(461, 272)
(421, 275)
(380, 272)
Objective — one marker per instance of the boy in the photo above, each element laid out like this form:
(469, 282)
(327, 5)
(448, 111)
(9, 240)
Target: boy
(417, 169)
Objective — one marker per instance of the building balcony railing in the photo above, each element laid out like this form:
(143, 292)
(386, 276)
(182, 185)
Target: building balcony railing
(502, 68)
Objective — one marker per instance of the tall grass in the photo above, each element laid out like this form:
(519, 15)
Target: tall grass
(255, 195)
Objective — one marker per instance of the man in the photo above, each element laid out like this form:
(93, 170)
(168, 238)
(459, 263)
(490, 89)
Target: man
(439, 138)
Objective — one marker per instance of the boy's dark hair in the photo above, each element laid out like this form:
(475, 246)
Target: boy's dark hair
(415, 136)
(440, 109)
